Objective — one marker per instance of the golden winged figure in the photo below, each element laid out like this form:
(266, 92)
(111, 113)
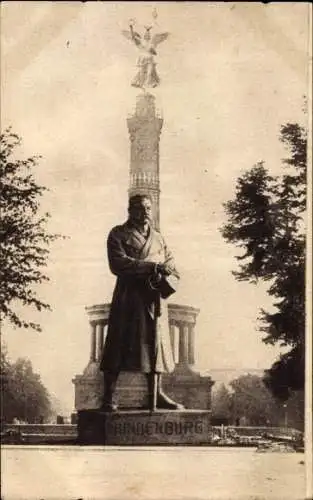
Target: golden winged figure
(147, 76)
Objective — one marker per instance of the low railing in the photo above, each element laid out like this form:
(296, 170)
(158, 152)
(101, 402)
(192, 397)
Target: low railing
(258, 431)
(221, 435)
(41, 428)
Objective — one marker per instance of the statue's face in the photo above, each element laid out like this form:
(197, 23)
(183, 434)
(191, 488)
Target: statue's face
(141, 212)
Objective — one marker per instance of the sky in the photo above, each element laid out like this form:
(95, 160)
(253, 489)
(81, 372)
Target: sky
(231, 74)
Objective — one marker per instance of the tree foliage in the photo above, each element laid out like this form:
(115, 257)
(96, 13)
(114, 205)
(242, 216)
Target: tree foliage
(222, 404)
(266, 221)
(23, 395)
(248, 401)
(252, 400)
(23, 233)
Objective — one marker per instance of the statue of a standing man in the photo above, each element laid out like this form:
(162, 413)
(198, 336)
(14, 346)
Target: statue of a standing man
(138, 337)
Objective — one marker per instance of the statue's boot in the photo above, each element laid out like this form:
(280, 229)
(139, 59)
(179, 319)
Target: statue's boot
(152, 379)
(164, 401)
(160, 400)
(110, 380)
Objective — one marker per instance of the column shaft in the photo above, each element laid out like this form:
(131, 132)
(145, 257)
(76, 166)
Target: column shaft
(172, 338)
(93, 342)
(105, 332)
(183, 343)
(191, 344)
(100, 335)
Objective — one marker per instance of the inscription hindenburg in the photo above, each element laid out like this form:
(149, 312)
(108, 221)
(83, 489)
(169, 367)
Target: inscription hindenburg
(151, 428)
(179, 427)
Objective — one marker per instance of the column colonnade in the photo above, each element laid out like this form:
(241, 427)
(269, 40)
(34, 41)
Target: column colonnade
(182, 321)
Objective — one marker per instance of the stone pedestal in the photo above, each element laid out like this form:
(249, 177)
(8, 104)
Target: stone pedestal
(189, 387)
(131, 391)
(141, 427)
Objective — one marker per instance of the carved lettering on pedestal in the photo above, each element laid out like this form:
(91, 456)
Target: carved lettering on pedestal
(153, 428)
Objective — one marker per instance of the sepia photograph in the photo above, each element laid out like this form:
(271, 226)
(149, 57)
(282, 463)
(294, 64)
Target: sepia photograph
(155, 289)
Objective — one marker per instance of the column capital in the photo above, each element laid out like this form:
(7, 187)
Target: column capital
(98, 322)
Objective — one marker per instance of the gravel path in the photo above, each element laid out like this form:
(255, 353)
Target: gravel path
(74, 473)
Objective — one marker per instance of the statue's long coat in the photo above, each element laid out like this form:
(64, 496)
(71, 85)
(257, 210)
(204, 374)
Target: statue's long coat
(130, 343)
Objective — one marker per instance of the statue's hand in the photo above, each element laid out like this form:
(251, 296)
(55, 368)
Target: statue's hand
(164, 269)
(155, 280)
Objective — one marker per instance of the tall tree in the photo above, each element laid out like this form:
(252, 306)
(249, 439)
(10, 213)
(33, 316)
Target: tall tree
(24, 237)
(251, 399)
(266, 220)
(222, 403)
(7, 394)
(23, 395)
